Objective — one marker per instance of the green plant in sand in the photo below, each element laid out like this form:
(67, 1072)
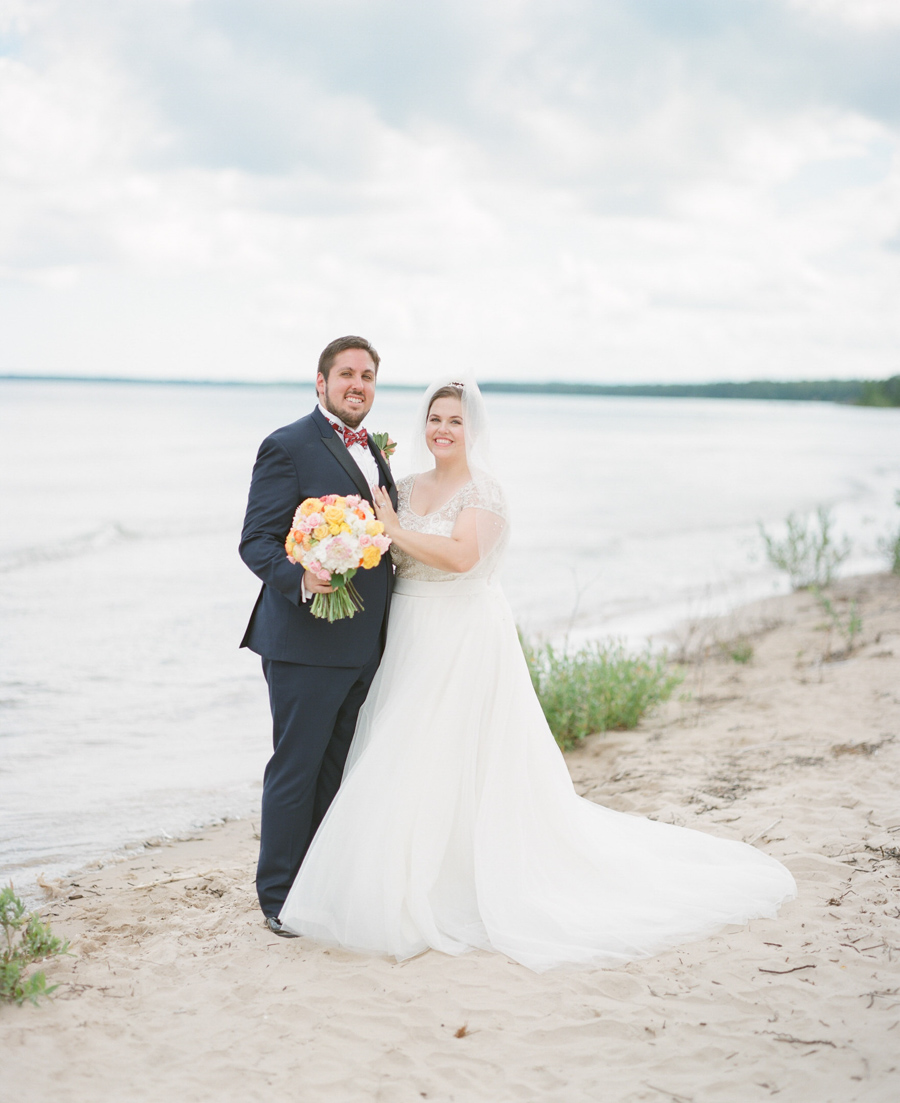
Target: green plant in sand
(809, 552)
(848, 627)
(739, 650)
(890, 545)
(598, 688)
(26, 940)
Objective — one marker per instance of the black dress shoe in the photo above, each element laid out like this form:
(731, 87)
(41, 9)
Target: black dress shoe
(274, 925)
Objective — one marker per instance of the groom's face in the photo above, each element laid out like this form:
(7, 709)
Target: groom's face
(349, 390)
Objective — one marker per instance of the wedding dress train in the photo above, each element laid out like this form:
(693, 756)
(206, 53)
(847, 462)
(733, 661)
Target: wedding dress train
(457, 825)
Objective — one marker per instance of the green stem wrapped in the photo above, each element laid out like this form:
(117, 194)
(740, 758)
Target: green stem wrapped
(342, 604)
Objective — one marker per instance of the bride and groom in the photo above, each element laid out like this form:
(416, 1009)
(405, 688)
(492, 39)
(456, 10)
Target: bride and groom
(415, 796)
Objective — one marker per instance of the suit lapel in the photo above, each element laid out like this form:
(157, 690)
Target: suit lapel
(385, 470)
(338, 449)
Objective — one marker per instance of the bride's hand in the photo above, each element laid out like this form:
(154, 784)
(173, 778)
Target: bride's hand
(384, 510)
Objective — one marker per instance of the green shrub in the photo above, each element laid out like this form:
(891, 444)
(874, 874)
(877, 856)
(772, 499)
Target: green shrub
(28, 939)
(740, 650)
(808, 553)
(890, 545)
(597, 688)
(893, 551)
(848, 629)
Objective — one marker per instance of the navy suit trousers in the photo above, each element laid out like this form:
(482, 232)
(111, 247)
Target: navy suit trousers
(314, 711)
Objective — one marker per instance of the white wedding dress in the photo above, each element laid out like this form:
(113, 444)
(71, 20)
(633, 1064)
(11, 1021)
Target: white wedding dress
(457, 825)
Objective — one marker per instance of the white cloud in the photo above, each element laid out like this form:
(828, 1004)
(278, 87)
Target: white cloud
(540, 191)
(865, 15)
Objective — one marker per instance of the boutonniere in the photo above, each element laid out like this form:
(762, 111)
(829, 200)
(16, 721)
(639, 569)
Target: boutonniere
(385, 445)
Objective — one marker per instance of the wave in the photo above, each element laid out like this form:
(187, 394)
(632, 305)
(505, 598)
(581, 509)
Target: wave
(82, 544)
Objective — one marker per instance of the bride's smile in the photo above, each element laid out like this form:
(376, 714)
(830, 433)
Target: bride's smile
(445, 433)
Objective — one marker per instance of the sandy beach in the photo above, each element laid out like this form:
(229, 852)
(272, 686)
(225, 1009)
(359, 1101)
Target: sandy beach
(175, 990)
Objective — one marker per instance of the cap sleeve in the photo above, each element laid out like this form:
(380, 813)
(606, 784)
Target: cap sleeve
(404, 488)
(484, 493)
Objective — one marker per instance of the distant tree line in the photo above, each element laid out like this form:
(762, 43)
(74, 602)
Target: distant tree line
(884, 393)
(851, 391)
(854, 392)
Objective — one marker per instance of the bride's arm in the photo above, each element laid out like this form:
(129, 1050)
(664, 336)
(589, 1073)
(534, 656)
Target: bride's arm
(456, 553)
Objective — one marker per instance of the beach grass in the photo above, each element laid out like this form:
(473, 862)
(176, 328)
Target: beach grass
(739, 650)
(848, 625)
(890, 545)
(600, 687)
(809, 552)
(26, 939)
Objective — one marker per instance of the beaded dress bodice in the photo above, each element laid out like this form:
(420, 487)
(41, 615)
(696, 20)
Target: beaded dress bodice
(439, 523)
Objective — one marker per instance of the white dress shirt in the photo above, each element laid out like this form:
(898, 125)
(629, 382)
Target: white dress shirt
(362, 456)
(363, 459)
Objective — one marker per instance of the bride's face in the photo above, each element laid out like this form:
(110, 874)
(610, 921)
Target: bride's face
(445, 434)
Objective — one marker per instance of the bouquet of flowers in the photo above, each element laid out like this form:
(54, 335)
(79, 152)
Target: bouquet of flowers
(333, 537)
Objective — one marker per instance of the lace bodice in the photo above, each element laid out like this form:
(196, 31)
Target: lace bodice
(441, 523)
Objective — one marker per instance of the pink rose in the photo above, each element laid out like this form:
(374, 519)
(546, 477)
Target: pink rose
(341, 554)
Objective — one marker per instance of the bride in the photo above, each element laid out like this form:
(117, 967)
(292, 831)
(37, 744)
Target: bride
(457, 825)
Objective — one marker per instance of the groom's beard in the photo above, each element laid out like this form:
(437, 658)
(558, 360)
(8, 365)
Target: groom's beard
(350, 415)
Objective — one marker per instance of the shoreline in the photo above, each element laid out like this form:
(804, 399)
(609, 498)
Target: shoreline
(678, 629)
(666, 629)
(176, 987)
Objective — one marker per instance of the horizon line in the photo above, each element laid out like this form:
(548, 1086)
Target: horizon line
(571, 386)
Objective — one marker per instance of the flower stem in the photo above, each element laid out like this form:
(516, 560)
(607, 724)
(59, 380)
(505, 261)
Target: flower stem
(343, 603)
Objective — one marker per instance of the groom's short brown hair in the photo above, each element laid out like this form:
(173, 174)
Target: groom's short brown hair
(341, 344)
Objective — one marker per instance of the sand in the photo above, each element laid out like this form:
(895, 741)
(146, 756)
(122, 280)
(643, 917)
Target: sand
(176, 991)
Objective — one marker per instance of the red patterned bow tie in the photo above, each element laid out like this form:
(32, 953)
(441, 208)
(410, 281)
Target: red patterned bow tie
(351, 437)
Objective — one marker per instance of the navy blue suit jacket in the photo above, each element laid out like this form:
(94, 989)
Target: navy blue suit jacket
(306, 460)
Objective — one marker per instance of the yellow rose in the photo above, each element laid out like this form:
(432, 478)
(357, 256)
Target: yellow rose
(334, 529)
(311, 505)
(346, 528)
(321, 532)
(371, 557)
(339, 501)
(333, 515)
(374, 528)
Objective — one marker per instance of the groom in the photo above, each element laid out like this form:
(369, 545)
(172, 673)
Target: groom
(318, 673)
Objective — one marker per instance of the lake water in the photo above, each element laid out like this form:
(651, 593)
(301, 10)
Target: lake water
(126, 708)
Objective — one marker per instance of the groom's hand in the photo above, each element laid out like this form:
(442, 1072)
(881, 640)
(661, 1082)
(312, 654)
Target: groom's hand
(315, 585)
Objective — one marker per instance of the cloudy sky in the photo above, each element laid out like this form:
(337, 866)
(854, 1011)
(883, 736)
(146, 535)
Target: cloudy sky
(610, 190)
